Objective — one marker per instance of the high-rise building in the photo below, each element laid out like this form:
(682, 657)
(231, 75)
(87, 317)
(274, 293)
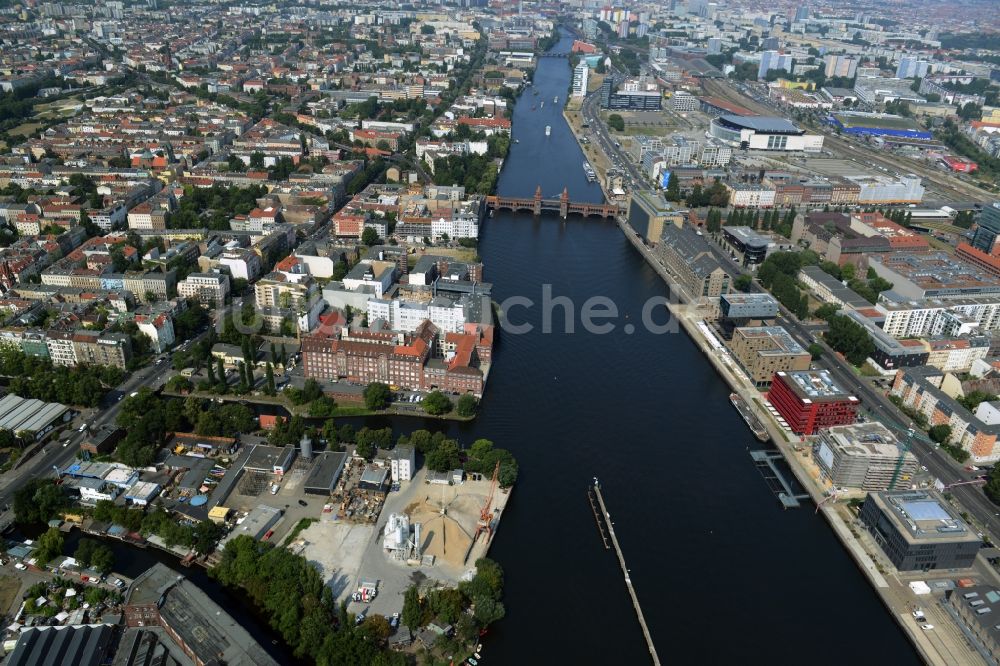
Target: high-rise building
(840, 65)
(910, 67)
(802, 14)
(773, 60)
(988, 229)
(580, 76)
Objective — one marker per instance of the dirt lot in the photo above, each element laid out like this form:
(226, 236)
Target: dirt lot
(337, 548)
(10, 587)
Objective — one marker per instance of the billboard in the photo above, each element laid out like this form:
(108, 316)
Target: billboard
(665, 179)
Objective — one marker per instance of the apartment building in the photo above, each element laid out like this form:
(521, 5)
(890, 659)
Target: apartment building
(210, 289)
(919, 389)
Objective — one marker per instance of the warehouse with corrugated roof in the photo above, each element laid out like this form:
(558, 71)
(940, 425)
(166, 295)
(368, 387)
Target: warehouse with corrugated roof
(19, 414)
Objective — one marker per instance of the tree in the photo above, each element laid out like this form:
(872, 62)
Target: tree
(815, 351)
(467, 404)
(49, 546)
(412, 609)
(940, 433)
(38, 501)
(444, 457)
(826, 311)
(369, 236)
(269, 380)
(377, 395)
(850, 339)
(436, 403)
(743, 282)
(673, 191)
(616, 122)
(992, 487)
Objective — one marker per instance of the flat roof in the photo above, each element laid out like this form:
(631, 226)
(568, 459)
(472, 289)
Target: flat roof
(815, 385)
(922, 514)
(748, 298)
(781, 341)
(326, 470)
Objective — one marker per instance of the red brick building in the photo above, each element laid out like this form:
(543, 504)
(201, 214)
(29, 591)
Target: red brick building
(810, 400)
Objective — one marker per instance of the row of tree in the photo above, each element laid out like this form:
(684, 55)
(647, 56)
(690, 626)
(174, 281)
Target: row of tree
(37, 377)
(292, 594)
(148, 419)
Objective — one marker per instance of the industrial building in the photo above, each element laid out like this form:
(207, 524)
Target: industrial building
(255, 525)
(763, 133)
(809, 400)
(919, 531)
(878, 124)
(762, 351)
(80, 645)
(201, 629)
(864, 455)
(978, 608)
(325, 473)
(19, 414)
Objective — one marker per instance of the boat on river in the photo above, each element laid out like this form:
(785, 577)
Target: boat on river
(758, 429)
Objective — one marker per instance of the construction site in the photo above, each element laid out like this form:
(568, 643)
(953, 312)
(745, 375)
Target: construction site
(435, 528)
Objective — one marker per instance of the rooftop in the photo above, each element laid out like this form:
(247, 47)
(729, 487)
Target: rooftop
(778, 338)
(205, 628)
(868, 440)
(769, 124)
(815, 385)
(922, 514)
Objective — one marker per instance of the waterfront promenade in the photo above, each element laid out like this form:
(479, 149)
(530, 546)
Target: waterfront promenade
(935, 647)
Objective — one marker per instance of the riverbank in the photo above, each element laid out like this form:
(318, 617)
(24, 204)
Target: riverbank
(347, 411)
(893, 594)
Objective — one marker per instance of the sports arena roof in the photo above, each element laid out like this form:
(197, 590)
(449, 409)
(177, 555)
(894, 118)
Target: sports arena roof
(763, 124)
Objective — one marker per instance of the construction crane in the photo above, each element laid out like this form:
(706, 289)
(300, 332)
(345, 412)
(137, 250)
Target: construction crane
(486, 513)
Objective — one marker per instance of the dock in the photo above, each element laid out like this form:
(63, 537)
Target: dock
(764, 461)
(598, 518)
(628, 580)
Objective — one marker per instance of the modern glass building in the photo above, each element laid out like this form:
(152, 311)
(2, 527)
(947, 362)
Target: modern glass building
(988, 229)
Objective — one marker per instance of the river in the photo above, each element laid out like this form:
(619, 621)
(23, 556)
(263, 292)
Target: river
(725, 575)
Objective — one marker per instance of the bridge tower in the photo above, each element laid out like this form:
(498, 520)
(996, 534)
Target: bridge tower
(537, 208)
(564, 203)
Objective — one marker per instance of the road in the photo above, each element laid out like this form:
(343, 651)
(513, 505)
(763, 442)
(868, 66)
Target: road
(54, 454)
(592, 116)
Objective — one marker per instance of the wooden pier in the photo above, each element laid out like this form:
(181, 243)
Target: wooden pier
(597, 518)
(628, 579)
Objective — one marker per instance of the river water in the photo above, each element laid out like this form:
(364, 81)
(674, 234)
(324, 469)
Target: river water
(723, 573)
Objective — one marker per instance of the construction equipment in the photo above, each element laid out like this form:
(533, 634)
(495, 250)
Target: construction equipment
(486, 513)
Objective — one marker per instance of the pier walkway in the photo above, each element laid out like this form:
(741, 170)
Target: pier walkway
(628, 580)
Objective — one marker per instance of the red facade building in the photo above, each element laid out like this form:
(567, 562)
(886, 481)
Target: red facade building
(810, 400)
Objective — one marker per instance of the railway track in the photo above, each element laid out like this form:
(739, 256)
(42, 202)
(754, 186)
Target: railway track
(952, 187)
